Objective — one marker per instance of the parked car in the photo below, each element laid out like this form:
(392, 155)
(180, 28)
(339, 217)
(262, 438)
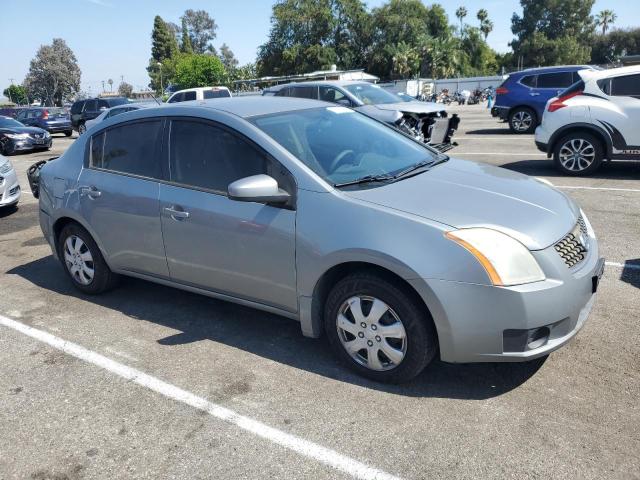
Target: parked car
(11, 111)
(15, 137)
(9, 186)
(522, 96)
(90, 108)
(202, 93)
(319, 213)
(112, 112)
(423, 121)
(597, 118)
(51, 119)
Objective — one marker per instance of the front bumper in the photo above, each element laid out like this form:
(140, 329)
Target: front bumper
(476, 323)
(59, 128)
(29, 144)
(9, 189)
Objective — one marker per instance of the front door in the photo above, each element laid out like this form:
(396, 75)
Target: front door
(242, 249)
(119, 196)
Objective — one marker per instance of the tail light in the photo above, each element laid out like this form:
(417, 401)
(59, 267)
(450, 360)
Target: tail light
(45, 114)
(502, 91)
(558, 103)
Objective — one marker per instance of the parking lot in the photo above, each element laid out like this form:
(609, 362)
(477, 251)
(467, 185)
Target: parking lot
(161, 383)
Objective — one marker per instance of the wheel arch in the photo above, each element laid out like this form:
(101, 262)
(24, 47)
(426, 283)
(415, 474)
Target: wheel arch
(66, 219)
(581, 127)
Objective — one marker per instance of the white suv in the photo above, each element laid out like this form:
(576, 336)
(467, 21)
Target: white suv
(200, 93)
(595, 119)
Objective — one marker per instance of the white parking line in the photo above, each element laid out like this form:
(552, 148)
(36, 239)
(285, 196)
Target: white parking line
(630, 266)
(504, 154)
(303, 447)
(611, 189)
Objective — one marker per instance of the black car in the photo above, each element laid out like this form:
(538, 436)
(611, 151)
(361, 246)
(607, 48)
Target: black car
(15, 137)
(88, 109)
(51, 119)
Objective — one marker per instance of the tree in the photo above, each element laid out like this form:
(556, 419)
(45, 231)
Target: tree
(486, 25)
(227, 58)
(477, 58)
(17, 94)
(163, 48)
(604, 19)
(607, 49)
(552, 32)
(185, 44)
(54, 74)
(125, 89)
(461, 12)
(199, 70)
(201, 28)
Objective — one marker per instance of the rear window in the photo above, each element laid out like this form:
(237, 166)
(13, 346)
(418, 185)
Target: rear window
(216, 94)
(555, 80)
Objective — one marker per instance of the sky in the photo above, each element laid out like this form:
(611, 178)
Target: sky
(112, 38)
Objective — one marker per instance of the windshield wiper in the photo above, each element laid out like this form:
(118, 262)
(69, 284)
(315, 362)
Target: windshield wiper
(365, 179)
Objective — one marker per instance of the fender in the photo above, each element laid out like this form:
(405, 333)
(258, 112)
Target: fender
(599, 131)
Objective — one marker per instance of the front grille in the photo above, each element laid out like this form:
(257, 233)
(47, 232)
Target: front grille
(570, 248)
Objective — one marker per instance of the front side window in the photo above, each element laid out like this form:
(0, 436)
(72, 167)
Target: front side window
(189, 96)
(132, 148)
(178, 97)
(205, 156)
(91, 106)
(627, 86)
(555, 80)
(341, 145)
(330, 94)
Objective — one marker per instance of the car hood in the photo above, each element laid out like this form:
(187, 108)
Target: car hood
(465, 194)
(411, 107)
(29, 130)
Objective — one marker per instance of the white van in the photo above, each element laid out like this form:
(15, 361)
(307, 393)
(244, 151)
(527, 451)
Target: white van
(201, 93)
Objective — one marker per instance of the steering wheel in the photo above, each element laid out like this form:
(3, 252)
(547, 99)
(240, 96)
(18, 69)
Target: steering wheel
(340, 159)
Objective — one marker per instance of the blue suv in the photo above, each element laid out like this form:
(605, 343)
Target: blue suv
(521, 98)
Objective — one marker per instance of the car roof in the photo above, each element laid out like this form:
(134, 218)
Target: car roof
(339, 83)
(246, 107)
(612, 72)
(197, 89)
(557, 68)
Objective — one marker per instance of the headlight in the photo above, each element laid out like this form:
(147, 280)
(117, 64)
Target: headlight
(506, 261)
(6, 167)
(17, 136)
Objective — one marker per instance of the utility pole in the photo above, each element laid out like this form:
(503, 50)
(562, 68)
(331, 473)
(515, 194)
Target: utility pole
(102, 86)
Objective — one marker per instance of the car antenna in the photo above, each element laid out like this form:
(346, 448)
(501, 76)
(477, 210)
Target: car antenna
(154, 97)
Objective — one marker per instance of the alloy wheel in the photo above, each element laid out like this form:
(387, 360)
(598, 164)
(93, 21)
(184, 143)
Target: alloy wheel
(522, 121)
(577, 154)
(78, 260)
(371, 333)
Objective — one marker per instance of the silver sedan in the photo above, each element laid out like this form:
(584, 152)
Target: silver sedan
(310, 210)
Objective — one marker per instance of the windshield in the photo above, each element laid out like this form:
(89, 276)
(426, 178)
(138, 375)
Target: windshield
(371, 94)
(341, 145)
(10, 123)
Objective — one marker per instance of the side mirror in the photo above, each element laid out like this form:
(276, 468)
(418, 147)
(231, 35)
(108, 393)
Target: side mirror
(102, 109)
(257, 188)
(344, 101)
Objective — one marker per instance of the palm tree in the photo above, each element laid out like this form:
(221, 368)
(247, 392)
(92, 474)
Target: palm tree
(604, 19)
(461, 12)
(486, 25)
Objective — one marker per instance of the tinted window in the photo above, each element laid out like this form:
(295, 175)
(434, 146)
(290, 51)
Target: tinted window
(102, 104)
(216, 94)
(95, 155)
(112, 102)
(134, 148)
(304, 92)
(91, 106)
(205, 156)
(178, 97)
(627, 86)
(605, 85)
(77, 107)
(283, 92)
(555, 80)
(330, 94)
(22, 115)
(189, 96)
(529, 81)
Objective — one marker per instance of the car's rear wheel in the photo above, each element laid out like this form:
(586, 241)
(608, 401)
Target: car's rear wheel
(82, 128)
(578, 153)
(378, 329)
(522, 120)
(83, 262)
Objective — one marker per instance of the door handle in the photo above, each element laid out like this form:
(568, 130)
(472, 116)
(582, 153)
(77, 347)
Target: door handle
(176, 214)
(91, 192)
(534, 94)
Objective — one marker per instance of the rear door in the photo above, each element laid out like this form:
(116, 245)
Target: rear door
(548, 86)
(119, 195)
(242, 249)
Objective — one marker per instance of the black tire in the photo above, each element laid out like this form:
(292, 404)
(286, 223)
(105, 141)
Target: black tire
(523, 120)
(68, 133)
(421, 337)
(592, 149)
(103, 279)
(5, 149)
(81, 128)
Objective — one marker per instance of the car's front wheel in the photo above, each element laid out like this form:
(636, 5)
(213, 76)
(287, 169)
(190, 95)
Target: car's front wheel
(578, 153)
(522, 120)
(379, 329)
(83, 262)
